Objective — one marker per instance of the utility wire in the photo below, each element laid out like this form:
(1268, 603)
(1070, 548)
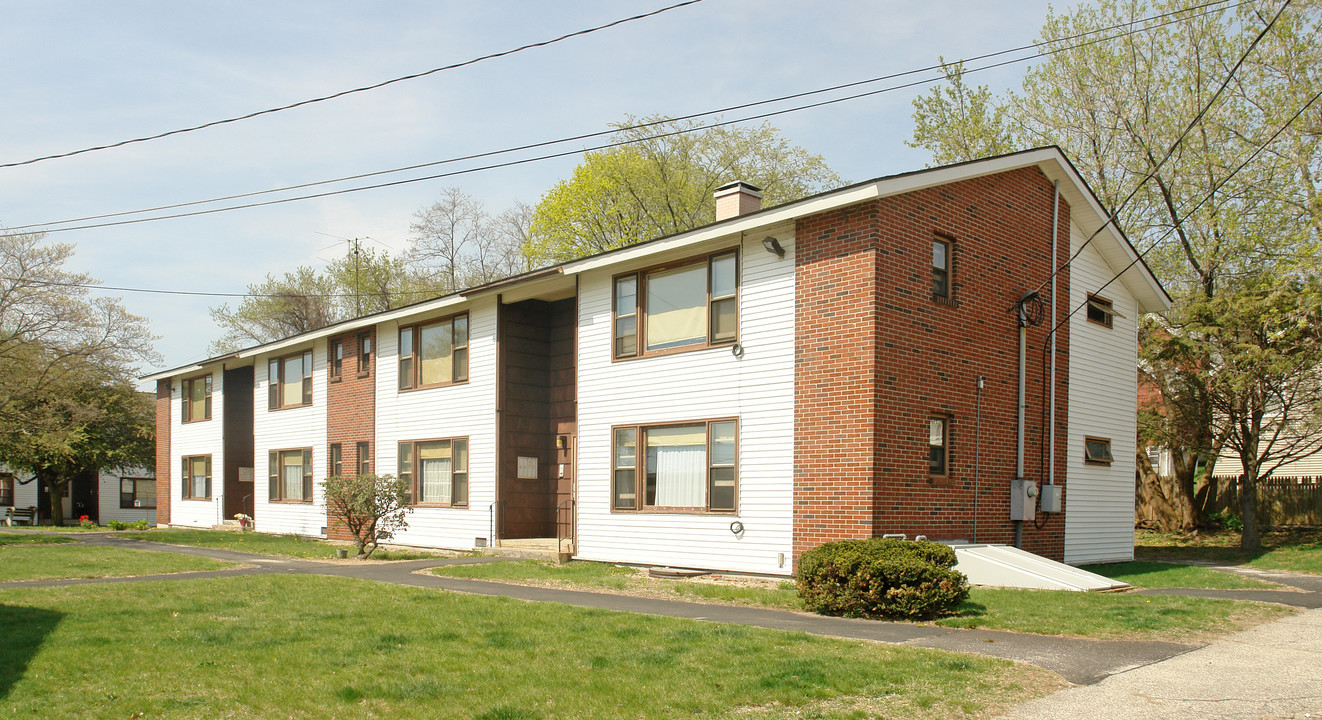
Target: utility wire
(1041, 53)
(1110, 219)
(365, 88)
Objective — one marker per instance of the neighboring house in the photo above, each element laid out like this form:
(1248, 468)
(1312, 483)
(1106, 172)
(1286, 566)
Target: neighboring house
(724, 398)
(127, 495)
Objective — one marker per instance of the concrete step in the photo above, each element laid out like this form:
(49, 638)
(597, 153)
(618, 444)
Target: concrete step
(543, 549)
(230, 525)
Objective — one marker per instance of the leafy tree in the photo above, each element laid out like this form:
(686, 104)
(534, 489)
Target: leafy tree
(66, 359)
(661, 182)
(371, 507)
(306, 299)
(1116, 107)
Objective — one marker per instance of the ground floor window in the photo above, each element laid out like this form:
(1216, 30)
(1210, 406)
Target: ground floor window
(7, 489)
(197, 477)
(137, 493)
(289, 475)
(436, 470)
(688, 467)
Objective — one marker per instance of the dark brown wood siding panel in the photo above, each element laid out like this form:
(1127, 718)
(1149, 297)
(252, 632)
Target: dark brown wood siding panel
(237, 390)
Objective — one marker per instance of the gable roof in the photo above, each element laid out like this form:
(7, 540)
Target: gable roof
(1087, 211)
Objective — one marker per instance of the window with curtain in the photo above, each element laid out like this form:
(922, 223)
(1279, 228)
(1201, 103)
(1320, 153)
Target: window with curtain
(196, 477)
(196, 396)
(436, 471)
(289, 475)
(688, 306)
(289, 381)
(688, 467)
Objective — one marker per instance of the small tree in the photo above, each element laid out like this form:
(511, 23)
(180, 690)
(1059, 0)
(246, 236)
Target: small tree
(372, 507)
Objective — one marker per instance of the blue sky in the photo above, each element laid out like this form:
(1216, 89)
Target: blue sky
(76, 74)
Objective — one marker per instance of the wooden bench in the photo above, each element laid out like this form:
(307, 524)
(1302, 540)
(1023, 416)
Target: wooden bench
(27, 515)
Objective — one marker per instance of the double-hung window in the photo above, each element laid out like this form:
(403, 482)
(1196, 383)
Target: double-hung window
(336, 460)
(688, 467)
(289, 475)
(364, 458)
(196, 396)
(436, 471)
(335, 361)
(137, 493)
(364, 354)
(289, 381)
(941, 269)
(7, 489)
(938, 447)
(433, 354)
(690, 305)
(197, 477)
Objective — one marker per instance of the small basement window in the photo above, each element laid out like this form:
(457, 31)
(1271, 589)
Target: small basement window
(1097, 451)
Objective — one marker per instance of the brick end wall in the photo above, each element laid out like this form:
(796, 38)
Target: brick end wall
(876, 357)
(350, 416)
(163, 493)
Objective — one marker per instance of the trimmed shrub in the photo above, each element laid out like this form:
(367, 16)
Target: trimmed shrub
(881, 578)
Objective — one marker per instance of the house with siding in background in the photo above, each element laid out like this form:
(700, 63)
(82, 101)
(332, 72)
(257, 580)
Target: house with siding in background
(725, 398)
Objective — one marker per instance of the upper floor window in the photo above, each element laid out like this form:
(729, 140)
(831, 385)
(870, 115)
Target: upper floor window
(336, 359)
(940, 269)
(289, 381)
(436, 471)
(432, 354)
(1100, 310)
(684, 306)
(197, 398)
(197, 477)
(688, 467)
(137, 493)
(364, 354)
(1097, 451)
(289, 475)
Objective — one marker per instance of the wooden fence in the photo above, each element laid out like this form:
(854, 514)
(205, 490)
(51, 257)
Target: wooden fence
(1281, 500)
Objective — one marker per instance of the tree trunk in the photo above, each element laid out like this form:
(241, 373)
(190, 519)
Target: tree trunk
(1249, 538)
(56, 503)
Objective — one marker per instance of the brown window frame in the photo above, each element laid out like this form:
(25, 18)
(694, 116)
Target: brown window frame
(134, 495)
(1088, 456)
(364, 457)
(947, 273)
(364, 354)
(185, 396)
(942, 477)
(275, 399)
(335, 461)
(410, 366)
(275, 485)
(411, 476)
(186, 480)
(1102, 306)
(8, 489)
(639, 310)
(335, 360)
(639, 470)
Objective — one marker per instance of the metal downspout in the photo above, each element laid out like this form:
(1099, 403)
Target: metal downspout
(1051, 431)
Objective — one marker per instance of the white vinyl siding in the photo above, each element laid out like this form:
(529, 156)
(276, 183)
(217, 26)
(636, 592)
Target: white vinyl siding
(286, 429)
(1103, 402)
(108, 497)
(705, 384)
(463, 410)
(196, 438)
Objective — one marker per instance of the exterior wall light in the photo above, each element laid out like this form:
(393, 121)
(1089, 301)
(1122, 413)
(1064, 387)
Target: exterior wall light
(773, 246)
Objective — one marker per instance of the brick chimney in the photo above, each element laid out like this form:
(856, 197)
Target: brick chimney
(737, 198)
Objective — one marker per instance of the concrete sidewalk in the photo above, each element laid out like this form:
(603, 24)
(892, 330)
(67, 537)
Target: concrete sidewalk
(1271, 671)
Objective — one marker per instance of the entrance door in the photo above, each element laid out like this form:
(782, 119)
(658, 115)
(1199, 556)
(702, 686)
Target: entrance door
(84, 497)
(565, 513)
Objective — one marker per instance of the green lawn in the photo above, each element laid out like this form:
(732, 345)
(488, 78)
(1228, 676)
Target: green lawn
(1107, 615)
(1290, 549)
(38, 561)
(11, 538)
(1148, 574)
(261, 544)
(319, 647)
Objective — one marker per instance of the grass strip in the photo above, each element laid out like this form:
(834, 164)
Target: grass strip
(59, 562)
(1149, 574)
(32, 539)
(292, 546)
(1296, 550)
(316, 647)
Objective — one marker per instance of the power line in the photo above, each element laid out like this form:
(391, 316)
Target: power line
(1166, 18)
(365, 88)
(200, 293)
(1110, 218)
